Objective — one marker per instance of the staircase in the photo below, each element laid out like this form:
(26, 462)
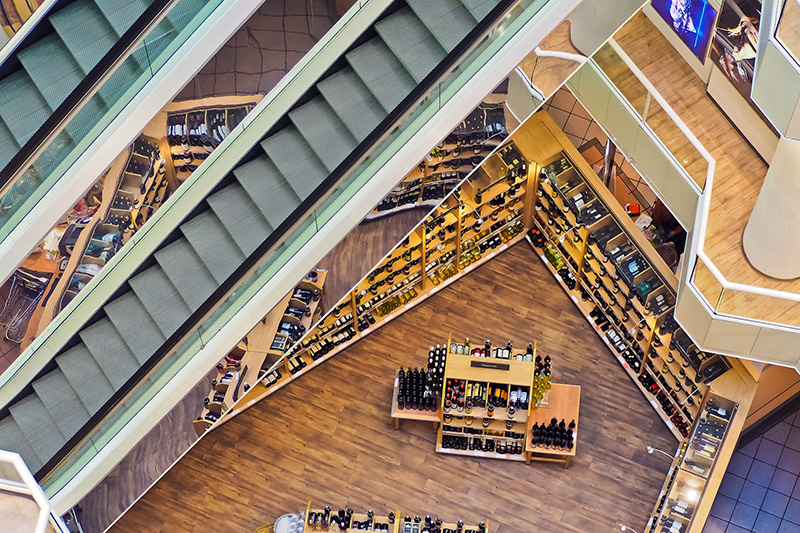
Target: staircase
(37, 79)
(279, 173)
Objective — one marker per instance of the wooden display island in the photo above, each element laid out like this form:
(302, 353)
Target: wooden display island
(478, 425)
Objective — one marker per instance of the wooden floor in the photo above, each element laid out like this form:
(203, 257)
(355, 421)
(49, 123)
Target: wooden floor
(738, 177)
(327, 437)
(151, 457)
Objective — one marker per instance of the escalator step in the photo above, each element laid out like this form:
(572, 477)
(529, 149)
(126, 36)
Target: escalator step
(62, 402)
(353, 102)
(38, 426)
(110, 351)
(13, 440)
(135, 325)
(52, 69)
(324, 132)
(268, 189)
(85, 31)
(295, 159)
(187, 272)
(449, 20)
(22, 106)
(240, 216)
(409, 39)
(212, 242)
(161, 299)
(85, 377)
(382, 72)
(480, 8)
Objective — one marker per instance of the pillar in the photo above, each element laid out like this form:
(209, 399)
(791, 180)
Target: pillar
(771, 239)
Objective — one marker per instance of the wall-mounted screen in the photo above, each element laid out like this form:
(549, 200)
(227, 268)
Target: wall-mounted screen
(735, 41)
(691, 20)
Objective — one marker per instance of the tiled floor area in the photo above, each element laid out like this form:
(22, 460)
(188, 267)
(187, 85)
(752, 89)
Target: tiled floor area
(760, 492)
(275, 38)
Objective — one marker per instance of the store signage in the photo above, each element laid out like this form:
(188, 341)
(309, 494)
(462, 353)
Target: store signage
(489, 364)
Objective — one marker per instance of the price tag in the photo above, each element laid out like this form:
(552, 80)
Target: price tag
(654, 404)
(508, 456)
(573, 298)
(480, 454)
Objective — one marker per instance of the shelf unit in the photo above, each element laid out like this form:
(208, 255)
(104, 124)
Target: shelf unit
(564, 404)
(593, 248)
(493, 373)
(694, 463)
(412, 414)
(449, 163)
(392, 522)
(261, 349)
(202, 128)
(112, 224)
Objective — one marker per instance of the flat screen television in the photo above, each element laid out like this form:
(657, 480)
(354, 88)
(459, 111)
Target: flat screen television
(691, 20)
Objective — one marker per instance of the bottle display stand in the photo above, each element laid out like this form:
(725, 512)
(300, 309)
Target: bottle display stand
(434, 417)
(693, 465)
(474, 396)
(247, 363)
(564, 404)
(328, 519)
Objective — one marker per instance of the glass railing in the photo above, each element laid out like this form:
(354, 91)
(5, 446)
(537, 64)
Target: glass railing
(46, 168)
(658, 116)
(414, 121)
(735, 300)
(788, 29)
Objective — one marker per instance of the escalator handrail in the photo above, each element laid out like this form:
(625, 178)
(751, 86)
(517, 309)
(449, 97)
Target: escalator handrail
(19, 38)
(75, 101)
(264, 249)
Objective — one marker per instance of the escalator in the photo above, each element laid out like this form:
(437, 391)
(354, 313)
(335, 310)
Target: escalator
(387, 69)
(76, 48)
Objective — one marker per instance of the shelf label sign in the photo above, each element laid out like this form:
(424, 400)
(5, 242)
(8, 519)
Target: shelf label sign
(490, 364)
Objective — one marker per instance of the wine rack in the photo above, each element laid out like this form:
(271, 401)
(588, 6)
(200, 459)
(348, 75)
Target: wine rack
(134, 180)
(486, 403)
(692, 467)
(192, 134)
(588, 244)
(449, 163)
(251, 360)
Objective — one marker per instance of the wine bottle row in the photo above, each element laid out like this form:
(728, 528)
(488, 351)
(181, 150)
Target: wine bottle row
(557, 435)
(343, 519)
(482, 444)
(435, 525)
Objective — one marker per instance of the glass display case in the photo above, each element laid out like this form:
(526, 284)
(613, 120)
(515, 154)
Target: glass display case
(692, 467)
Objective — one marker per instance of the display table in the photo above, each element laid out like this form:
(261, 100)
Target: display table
(412, 414)
(564, 404)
